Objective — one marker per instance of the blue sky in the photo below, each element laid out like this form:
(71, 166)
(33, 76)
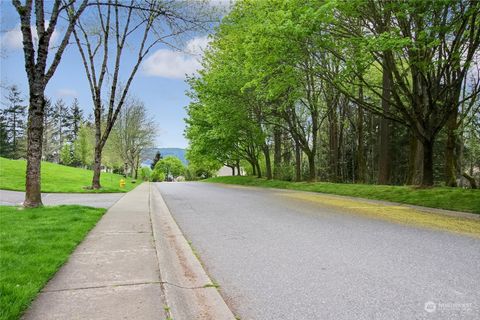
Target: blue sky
(159, 83)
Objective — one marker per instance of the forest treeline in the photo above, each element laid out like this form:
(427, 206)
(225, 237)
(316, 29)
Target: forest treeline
(361, 91)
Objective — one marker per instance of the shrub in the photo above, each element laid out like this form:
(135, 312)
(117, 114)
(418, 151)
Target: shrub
(145, 173)
(157, 176)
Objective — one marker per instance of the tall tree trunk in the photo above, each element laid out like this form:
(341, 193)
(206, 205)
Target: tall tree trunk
(384, 157)
(97, 167)
(239, 172)
(33, 195)
(427, 180)
(277, 155)
(259, 170)
(254, 168)
(415, 163)
(450, 159)
(233, 170)
(312, 170)
(137, 163)
(298, 162)
(361, 163)
(268, 164)
(333, 146)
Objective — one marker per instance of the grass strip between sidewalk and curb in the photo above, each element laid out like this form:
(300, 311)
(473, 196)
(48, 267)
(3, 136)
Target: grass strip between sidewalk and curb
(457, 199)
(34, 244)
(57, 178)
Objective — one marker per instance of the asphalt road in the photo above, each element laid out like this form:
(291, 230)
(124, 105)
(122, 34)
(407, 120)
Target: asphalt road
(280, 258)
(98, 200)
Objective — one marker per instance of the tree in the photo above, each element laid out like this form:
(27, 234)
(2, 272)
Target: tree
(133, 132)
(170, 166)
(424, 94)
(14, 115)
(48, 145)
(73, 119)
(5, 146)
(351, 91)
(59, 128)
(157, 158)
(66, 155)
(83, 145)
(39, 73)
(146, 22)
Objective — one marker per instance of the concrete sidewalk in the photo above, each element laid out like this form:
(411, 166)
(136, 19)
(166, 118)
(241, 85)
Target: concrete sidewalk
(98, 200)
(135, 264)
(113, 274)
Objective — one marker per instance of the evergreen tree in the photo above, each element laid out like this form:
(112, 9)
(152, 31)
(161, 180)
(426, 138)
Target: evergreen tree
(60, 125)
(74, 120)
(14, 114)
(157, 158)
(48, 132)
(5, 146)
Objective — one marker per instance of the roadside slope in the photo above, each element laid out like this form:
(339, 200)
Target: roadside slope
(58, 178)
(457, 199)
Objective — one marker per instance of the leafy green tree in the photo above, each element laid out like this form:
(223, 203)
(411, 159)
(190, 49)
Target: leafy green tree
(170, 166)
(83, 145)
(145, 173)
(157, 176)
(66, 155)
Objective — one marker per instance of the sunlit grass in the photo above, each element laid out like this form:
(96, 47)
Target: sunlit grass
(58, 178)
(34, 243)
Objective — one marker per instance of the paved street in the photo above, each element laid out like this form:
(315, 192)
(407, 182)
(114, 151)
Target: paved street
(277, 257)
(99, 200)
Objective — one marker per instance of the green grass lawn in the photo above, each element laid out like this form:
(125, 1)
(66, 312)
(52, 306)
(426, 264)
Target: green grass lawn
(58, 178)
(458, 199)
(34, 243)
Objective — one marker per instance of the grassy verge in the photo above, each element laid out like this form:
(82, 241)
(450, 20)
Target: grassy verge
(457, 199)
(34, 243)
(58, 178)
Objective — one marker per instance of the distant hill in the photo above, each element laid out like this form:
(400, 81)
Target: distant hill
(149, 154)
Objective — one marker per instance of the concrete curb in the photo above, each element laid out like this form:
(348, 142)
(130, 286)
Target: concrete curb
(185, 282)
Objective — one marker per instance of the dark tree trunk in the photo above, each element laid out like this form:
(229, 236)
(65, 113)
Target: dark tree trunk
(259, 171)
(361, 162)
(384, 157)
(450, 167)
(233, 170)
(268, 164)
(254, 168)
(312, 171)
(298, 162)
(427, 179)
(33, 196)
(415, 163)
(97, 167)
(239, 173)
(333, 146)
(277, 155)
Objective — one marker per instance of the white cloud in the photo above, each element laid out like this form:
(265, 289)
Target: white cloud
(173, 64)
(12, 39)
(60, 93)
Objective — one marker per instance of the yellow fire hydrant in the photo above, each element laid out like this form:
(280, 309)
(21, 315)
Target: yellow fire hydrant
(122, 183)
